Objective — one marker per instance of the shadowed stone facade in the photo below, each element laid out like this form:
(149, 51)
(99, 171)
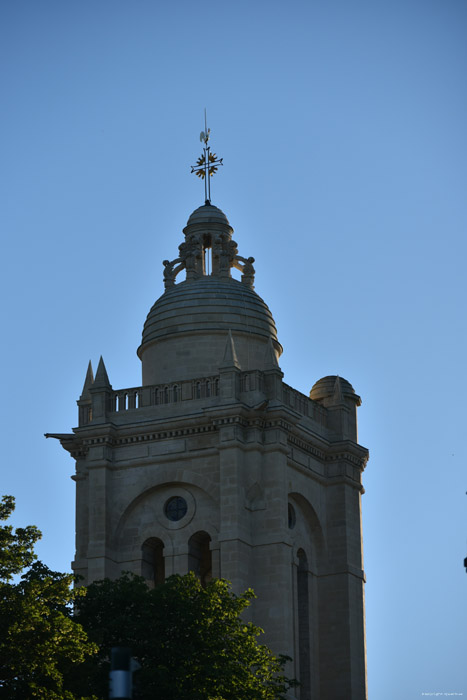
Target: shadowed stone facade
(216, 465)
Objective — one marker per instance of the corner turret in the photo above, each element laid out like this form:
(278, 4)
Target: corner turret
(339, 397)
(101, 392)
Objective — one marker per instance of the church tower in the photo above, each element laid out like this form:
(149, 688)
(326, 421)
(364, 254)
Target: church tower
(214, 464)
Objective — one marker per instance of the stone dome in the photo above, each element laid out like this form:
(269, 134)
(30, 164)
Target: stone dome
(326, 389)
(186, 330)
(207, 213)
(326, 386)
(209, 304)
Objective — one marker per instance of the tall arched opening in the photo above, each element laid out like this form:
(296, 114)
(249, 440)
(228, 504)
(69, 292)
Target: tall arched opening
(303, 626)
(199, 556)
(153, 563)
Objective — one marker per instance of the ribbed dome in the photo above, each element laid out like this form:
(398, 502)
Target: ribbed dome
(206, 214)
(209, 304)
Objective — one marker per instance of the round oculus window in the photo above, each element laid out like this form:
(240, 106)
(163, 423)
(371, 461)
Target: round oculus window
(175, 508)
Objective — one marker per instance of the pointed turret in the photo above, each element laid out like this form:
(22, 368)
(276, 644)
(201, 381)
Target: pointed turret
(272, 374)
(229, 371)
(337, 395)
(85, 401)
(102, 379)
(270, 357)
(88, 382)
(101, 392)
(230, 355)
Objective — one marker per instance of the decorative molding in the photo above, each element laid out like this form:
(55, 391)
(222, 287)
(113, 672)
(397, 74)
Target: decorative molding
(113, 441)
(306, 447)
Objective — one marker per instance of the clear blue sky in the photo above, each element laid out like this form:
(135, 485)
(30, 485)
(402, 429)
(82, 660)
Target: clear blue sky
(343, 131)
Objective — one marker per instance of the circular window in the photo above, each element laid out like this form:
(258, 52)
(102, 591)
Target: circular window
(175, 508)
(292, 517)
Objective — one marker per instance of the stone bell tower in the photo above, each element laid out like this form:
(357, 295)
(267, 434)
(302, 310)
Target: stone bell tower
(214, 464)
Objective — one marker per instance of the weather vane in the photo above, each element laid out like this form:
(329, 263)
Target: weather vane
(207, 164)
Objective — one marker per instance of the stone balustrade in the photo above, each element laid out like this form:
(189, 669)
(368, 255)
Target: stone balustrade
(158, 394)
(134, 398)
(302, 404)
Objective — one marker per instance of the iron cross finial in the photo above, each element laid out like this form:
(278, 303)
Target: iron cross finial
(207, 164)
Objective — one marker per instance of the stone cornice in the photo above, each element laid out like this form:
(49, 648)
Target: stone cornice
(349, 569)
(348, 451)
(112, 440)
(279, 417)
(343, 462)
(71, 443)
(307, 447)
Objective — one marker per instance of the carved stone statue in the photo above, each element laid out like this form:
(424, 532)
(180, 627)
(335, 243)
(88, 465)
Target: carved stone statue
(169, 272)
(245, 265)
(192, 254)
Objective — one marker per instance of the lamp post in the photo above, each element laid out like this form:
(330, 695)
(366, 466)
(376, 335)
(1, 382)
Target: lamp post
(121, 673)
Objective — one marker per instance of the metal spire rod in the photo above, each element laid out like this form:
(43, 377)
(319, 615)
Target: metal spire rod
(207, 164)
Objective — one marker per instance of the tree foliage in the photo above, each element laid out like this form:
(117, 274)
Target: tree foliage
(191, 642)
(16, 546)
(40, 643)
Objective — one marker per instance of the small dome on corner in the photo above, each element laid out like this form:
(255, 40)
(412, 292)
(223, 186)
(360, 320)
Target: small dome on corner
(328, 386)
(207, 213)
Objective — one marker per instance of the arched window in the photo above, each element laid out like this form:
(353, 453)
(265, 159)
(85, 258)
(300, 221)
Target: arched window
(166, 394)
(153, 564)
(303, 625)
(198, 390)
(216, 387)
(207, 260)
(208, 388)
(292, 518)
(175, 392)
(199, 556)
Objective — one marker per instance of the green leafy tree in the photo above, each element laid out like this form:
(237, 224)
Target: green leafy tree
(40, 643)
(191, 642)
(16, 546)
